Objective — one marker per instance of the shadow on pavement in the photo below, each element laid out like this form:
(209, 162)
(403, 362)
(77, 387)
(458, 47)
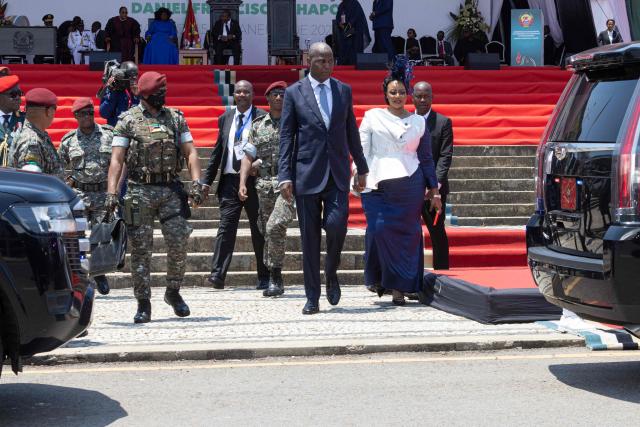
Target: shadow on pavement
(42, 404)
(618, 380)
(173, 320)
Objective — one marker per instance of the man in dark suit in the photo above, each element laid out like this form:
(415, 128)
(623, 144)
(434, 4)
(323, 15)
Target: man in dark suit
(382, 19)
(11, 118)
(233, 133)
(611, 35)
(227, 36)
(441, 131)
(444, 49)
(318, 131)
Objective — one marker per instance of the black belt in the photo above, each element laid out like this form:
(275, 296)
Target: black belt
(99, 186)
(154, 178)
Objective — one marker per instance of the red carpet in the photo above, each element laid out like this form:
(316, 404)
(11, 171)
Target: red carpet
(499, 278)
(506, 107)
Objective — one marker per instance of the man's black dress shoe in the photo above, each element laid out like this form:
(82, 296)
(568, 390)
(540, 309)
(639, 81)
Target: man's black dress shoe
(310, 308)
(216, 282)
(102, 284)
(174, 299)
(143, 315)
(263, 283)
(333, 291)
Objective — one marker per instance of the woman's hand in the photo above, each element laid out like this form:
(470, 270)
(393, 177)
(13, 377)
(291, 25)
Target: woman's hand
(433, 195)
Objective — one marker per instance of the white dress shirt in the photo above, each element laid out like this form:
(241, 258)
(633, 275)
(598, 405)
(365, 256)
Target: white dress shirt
(231, 139)
(390, 145)
(315, 85)
(2, 118)
(610, 36)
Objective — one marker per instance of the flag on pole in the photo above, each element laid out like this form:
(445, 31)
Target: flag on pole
(190, 35)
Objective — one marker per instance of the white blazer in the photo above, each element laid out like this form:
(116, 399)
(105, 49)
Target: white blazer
(390, 145)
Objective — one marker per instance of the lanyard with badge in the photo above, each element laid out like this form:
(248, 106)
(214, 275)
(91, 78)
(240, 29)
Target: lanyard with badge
(238, 146)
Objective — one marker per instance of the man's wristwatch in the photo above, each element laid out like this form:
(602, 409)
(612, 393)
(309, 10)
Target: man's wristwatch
(438, 196)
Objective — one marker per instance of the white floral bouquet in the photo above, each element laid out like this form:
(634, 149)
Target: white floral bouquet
(469, 19)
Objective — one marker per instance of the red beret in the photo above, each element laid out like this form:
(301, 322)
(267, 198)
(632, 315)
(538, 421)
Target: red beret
(7, 82)
(150, 82)
(275, 85)
(42, 97)
(81, 103)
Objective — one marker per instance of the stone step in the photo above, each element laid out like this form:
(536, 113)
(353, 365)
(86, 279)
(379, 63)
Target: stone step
(461, 185)
(235, 279)
(204, 224)
(203, 241)
(490, 197)
(246, 261)
(492, 221)
(485, 210)
(492, 173)
(494, 150)
(492, 161)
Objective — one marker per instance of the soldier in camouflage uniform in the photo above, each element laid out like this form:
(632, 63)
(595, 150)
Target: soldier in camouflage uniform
(86, 152)
(275, 213)
(11, 119)
(32, 148)
(153, 140)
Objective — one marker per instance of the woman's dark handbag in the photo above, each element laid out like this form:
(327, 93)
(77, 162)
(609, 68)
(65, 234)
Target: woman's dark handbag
(108, 247)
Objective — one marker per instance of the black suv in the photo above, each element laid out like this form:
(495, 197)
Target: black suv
(45, 295)
(584, 239)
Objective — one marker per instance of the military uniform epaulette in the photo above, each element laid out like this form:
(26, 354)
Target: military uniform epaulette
(106, 127)
(257, 119)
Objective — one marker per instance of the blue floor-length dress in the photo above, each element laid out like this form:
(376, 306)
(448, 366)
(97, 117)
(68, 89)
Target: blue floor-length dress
(161, 49)
(394, 241)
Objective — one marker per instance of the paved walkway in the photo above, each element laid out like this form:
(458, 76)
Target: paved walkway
(242, 319)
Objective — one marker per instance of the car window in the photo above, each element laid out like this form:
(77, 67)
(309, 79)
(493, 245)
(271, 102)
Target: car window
(596, 107)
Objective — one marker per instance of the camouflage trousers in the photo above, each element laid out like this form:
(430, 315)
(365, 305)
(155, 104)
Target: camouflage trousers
(93, 205)
(274, 216)
(143, 204)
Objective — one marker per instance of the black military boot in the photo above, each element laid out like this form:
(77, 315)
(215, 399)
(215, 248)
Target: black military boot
(276, 286)
(174, 299)
(102, 284)
(143, 315)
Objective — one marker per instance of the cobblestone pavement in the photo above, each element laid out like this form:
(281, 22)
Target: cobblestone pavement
(243, 315)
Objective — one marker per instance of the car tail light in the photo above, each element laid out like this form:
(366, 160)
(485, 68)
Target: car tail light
(540, 153)
(627, 173)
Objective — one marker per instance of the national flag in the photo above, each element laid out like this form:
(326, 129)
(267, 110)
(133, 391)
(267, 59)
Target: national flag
(190, 35)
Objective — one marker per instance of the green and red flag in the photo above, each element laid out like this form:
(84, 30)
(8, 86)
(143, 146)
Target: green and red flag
(190, 35)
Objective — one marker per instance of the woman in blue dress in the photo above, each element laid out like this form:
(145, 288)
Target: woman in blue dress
(162, 39)
(397, 145)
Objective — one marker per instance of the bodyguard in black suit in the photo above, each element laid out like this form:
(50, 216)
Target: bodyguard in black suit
(318, 132)
(441, 131)
(611, 35)
(227, 35)
(233, 127)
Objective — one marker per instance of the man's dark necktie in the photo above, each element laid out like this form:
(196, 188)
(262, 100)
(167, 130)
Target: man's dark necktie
(441, 48)
(5, 123)
(238, 137)
(226, 26)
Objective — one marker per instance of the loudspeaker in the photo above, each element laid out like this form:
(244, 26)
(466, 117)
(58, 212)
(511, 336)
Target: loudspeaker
(482, 61)
(371, 61)
(98, 58)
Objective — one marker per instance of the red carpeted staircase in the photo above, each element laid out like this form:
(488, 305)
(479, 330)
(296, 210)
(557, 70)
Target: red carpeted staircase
(509, 107)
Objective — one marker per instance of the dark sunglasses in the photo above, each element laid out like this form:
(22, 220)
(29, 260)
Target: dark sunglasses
(275, 93)
(88, 113)
(15, 94)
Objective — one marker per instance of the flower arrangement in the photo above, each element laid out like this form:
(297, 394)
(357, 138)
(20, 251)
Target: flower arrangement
(3, 9)
(469, 19)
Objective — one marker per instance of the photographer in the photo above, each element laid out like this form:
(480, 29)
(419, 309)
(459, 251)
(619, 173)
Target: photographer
(119, 92)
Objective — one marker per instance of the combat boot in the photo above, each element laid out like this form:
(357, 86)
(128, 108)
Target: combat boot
(143, 315)
(174, 299)
(102, 284)
(276, 285)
